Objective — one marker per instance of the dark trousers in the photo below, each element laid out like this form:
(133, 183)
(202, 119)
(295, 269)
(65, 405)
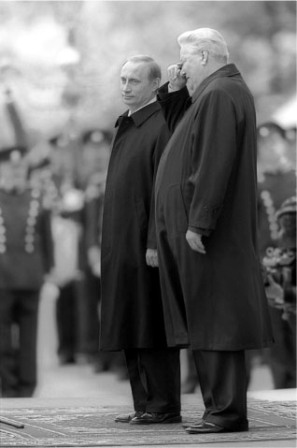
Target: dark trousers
(66, 315)
(18, 342)
(222, 378)
(155, 379)
(88, 309)
(282, 355)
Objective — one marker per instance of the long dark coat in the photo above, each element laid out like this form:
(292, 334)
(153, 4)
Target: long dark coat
(207, 183)
(131, 312)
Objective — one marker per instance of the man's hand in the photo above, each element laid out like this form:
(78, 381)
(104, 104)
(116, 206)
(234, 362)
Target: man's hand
(274, 292)
(195, 242)
(151, 257)
(94, 259)
(176, 78)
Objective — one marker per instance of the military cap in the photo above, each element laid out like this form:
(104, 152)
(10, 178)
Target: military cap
(270, 127)
(291, 133)
(288, 206)
(59, 141)
(96, 136)
(44, 162)
(12, 154)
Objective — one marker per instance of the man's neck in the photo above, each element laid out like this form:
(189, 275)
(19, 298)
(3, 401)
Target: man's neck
(153, 100)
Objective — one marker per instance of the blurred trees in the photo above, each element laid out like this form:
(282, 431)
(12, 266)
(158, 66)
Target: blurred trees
(95, 37)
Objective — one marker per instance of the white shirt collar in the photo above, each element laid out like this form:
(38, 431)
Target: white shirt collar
(150, 102)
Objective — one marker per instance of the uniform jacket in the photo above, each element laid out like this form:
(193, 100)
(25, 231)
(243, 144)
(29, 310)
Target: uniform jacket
(273, 190)
(26, 248)
(131, 313)
(207, 183)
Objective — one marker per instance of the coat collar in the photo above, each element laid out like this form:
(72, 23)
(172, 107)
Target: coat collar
(141, 115)
(227, 70)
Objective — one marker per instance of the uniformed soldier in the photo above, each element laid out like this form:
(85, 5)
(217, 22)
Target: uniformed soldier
(25, 258)
(95, 157)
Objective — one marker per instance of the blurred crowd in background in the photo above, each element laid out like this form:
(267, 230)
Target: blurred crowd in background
(59, 67)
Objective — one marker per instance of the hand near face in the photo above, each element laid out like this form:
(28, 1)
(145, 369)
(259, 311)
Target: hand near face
(195, 242)
(151, 257)
(176, 78)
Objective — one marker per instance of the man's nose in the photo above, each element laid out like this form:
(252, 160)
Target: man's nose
(126, 86)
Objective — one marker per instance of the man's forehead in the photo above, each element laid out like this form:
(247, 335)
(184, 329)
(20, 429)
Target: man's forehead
(138, 69)
(188, 50)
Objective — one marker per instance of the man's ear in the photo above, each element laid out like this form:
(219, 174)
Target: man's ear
(156, 84)
(204, 57)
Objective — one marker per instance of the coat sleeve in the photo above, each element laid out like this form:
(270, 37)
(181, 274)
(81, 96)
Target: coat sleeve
(173, 105)
(161, 142)
(213, 155)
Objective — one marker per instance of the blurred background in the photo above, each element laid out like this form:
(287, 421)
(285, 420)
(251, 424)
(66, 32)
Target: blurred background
(59, 99)
(61, 60)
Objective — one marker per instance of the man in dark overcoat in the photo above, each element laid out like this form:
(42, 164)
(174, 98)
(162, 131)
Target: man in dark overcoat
(26, 256)
(131, 312)
(206, 191)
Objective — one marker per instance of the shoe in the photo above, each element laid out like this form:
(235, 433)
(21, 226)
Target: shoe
(188, 424)
(208, 427)
(126, 418)
(155, 417)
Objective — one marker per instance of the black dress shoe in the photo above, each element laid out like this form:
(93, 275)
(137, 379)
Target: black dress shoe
(208, 427)
(188, 424)
(126, 418)
(155, 417)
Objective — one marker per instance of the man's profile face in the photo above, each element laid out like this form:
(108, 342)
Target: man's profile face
(136, 86)
(192, 67)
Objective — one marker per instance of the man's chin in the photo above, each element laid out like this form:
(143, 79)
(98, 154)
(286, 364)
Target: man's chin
(127, 100)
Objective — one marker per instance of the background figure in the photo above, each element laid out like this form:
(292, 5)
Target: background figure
(67, 235)
(276, 183)
(26, 255)
(191, 380)
(206, 203)
(281, 275)
(95, 157)
(131, 313)
(67, 230)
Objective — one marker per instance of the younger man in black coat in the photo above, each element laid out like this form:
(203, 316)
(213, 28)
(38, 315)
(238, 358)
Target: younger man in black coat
(131, 315)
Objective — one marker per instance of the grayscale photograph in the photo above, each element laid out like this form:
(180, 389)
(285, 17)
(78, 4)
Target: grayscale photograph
(148, 223)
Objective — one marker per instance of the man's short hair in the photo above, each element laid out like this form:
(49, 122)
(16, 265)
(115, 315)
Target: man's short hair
(154, 68)
(206, 39)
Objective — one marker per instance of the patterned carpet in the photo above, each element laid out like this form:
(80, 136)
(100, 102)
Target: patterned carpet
(85, 426)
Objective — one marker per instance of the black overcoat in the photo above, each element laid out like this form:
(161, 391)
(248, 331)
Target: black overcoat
(131, 311)
(207, 183)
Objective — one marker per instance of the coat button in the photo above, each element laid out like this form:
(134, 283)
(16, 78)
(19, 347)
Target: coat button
(29, 239)
(31, 220)
(29, 248)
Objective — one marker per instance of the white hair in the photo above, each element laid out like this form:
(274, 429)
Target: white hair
(206, 39)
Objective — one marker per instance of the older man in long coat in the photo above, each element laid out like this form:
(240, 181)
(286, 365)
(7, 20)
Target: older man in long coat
(206, 226)
(131, 314)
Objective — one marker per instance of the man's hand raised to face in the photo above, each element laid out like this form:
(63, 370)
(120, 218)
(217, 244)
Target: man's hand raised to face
(176, 78)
